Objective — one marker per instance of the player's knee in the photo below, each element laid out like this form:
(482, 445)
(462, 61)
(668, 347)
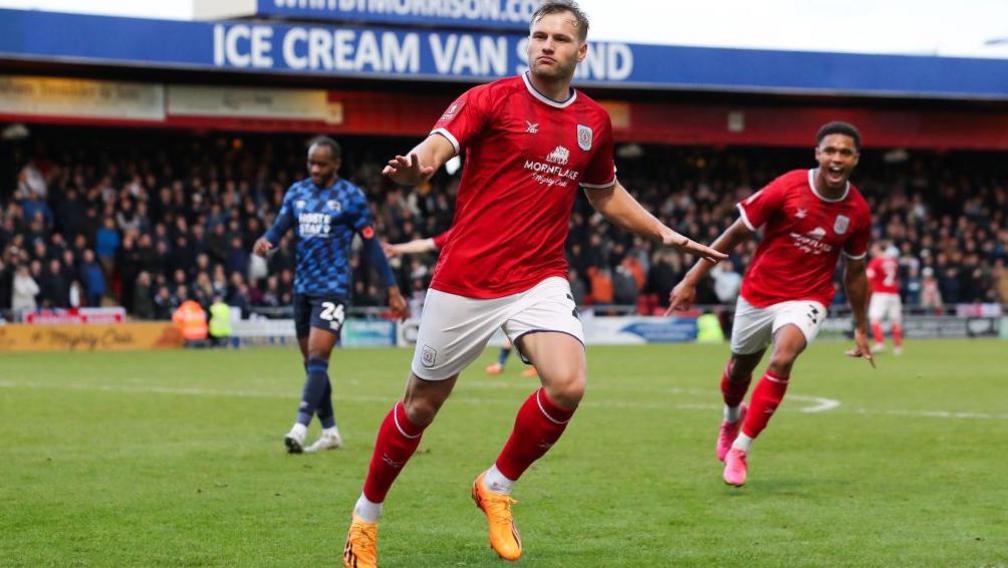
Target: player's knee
(421, 410)
(317, 355)
(782, 361)
(738, 371)
(566, 387)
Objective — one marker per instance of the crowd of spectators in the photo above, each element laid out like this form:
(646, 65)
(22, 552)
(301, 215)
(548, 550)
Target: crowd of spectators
(148, 220)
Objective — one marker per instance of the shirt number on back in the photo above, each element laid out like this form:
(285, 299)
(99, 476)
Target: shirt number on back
(890, 274)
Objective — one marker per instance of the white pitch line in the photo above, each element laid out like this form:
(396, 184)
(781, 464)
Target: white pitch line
(820, 404)
(936, 414)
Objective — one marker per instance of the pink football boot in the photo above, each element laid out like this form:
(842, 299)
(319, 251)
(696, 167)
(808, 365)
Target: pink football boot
(728, 432)
(735, 467)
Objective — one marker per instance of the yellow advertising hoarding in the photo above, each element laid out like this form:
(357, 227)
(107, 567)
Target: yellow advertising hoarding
(112, 337)
(57, 96)
(253, 102)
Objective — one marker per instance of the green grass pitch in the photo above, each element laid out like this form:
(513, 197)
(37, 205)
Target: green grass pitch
(176, 459)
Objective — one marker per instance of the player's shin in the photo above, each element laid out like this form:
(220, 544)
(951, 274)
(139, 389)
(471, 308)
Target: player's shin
(313, 394)
(876, 329)
(539, 424)
(325, 412)
(897, 335)
(765, 399)
(397, 439)
(733, 392)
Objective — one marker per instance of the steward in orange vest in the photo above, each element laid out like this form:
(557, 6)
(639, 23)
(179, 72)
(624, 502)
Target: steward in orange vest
(191, 321)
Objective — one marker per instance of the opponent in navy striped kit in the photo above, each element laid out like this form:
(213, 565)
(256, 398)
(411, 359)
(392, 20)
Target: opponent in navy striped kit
(325, 212)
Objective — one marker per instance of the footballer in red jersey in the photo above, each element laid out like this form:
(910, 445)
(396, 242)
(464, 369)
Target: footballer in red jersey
(808, 218)
(529, 144)
(885, 304)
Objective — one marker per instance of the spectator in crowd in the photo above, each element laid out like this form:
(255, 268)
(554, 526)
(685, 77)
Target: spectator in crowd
(911, 286)
(143, 298)
(54, 288)
(727, 282)
(6, 284)
(24, 291)
(931, 296)
(999, 276)
(601, 285)
(624, 285)
(271, 296)
(107, 243)
(93, 278)
(236, 261)
(164, 303)
(128, 265)
(76, 296)
(578, 289)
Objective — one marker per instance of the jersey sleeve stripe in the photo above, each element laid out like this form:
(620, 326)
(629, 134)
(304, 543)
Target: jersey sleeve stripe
(745, 218)
(450, 137)
(853, 257)
(605, 185)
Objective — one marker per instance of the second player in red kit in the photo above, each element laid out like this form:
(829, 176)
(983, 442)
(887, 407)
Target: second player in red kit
(808, 218)
(885, 304)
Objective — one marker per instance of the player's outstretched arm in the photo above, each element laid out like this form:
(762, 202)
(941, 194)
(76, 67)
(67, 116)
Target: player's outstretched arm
(856, 284)
(619, 207)
(421, 162)
(284, 220)
(378, 260)
(684, 294)
(416, 246)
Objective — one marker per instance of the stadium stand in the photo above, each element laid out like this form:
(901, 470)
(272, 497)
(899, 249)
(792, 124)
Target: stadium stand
(117, 217)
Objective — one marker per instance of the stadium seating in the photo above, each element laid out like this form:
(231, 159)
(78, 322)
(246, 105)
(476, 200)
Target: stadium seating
(175, 218)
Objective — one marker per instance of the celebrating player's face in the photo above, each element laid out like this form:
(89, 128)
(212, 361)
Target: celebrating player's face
(837, 155)
(321, 165)
(554, 47)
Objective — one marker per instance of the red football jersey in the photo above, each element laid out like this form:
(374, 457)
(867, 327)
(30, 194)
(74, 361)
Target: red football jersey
(441, 239)
(525, 157)
(803, 238)
(883, 275)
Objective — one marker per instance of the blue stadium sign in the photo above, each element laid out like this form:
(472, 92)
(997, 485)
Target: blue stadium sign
(404, 54)
(510, 15)
(393, 53)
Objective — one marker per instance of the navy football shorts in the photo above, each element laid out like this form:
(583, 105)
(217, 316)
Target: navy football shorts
(321, 312)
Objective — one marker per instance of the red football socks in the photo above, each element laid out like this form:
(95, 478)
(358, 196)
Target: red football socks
(397, 439)
(897, 335)
(539, 424)
(765, 398)
(876, 329)
(733, 392)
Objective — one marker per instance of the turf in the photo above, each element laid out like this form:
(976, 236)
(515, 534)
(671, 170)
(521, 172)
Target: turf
(176, 459)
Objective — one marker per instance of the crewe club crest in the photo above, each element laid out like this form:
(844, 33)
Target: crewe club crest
(428, 356)
(841, 224)
(453, 109)
(584, 137)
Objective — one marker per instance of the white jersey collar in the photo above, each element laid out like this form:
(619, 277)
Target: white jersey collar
(811, 184)
(553, 103)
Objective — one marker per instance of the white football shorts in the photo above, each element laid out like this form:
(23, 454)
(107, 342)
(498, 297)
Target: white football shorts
(754, 327)
(883, 306)
(455, 329)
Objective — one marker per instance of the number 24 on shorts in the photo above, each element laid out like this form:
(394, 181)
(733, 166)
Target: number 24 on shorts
(333, 313)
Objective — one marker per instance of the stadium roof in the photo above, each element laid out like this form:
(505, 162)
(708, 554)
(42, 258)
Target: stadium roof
(387, 53)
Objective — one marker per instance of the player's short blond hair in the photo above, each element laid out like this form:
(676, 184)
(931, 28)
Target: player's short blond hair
(557, 6)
